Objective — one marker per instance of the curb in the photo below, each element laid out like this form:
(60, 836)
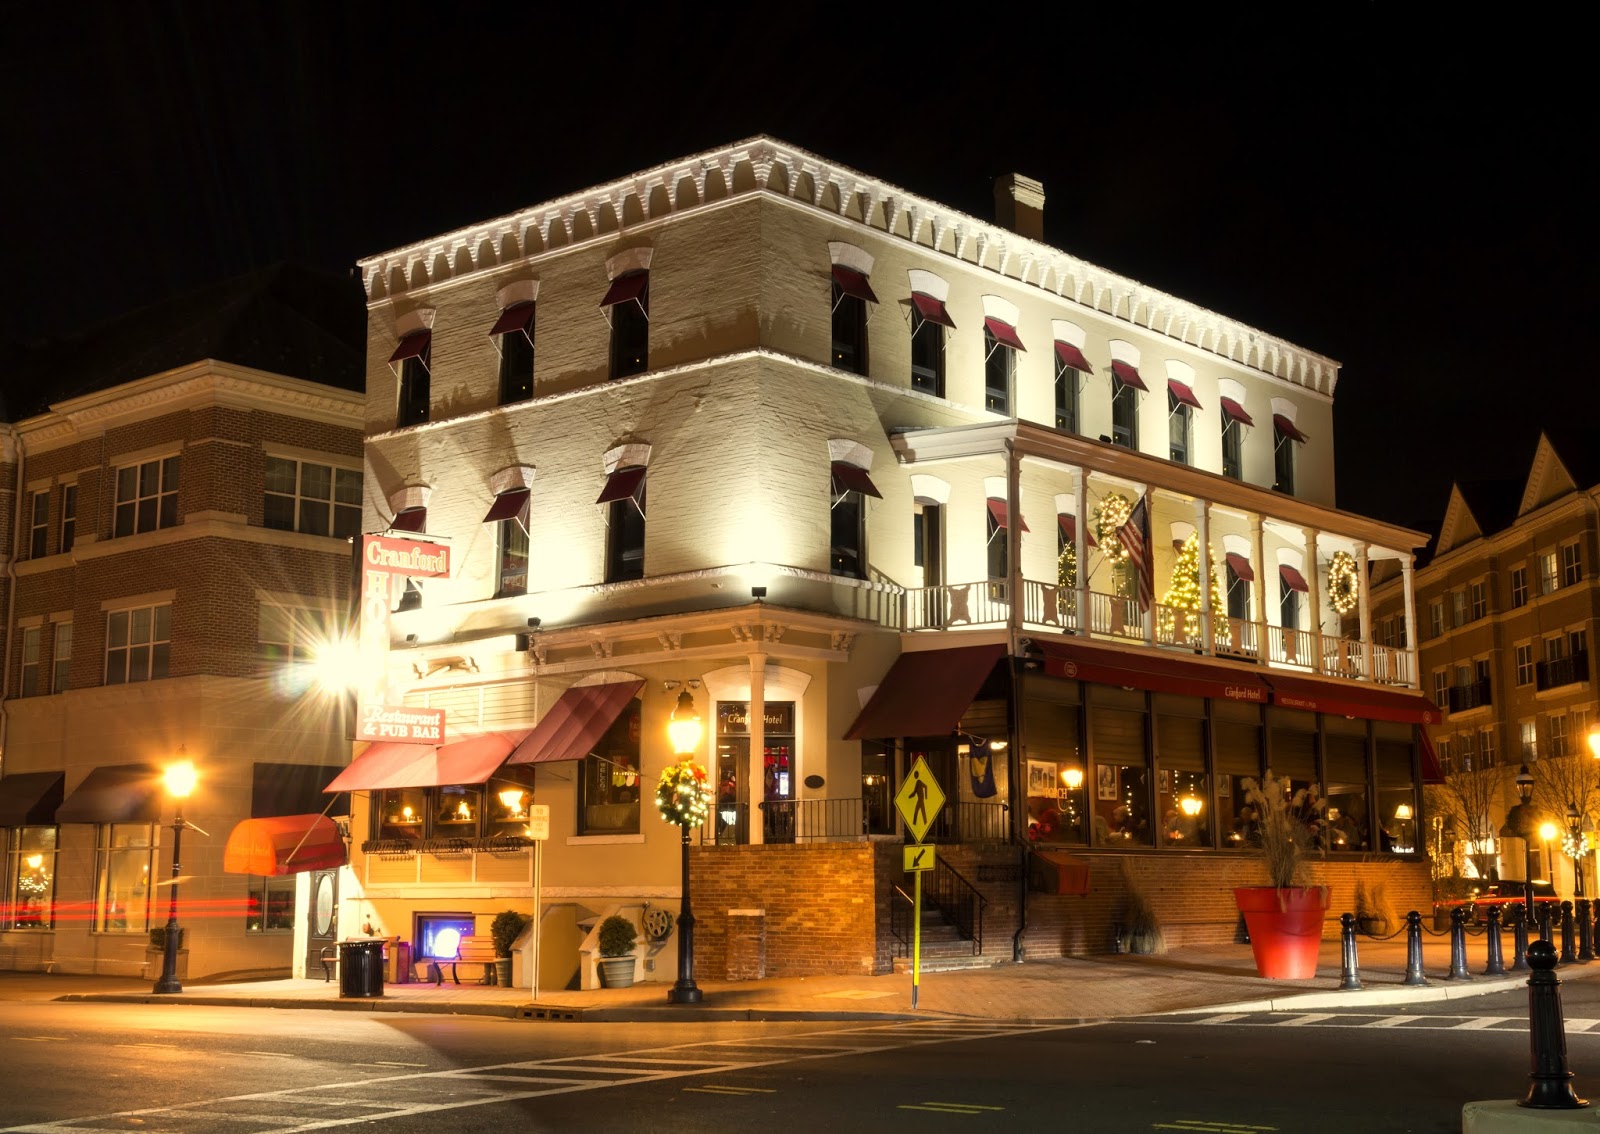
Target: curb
(1383, 994)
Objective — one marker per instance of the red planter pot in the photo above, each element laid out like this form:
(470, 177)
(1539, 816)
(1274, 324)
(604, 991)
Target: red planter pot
(1285, 928)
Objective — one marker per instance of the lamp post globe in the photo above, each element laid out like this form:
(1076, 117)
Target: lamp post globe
(684, 732)
(180, 778)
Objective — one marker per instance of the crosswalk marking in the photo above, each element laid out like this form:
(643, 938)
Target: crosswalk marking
(1575, 1027)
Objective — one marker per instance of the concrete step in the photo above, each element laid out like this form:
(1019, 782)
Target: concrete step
(949, 963)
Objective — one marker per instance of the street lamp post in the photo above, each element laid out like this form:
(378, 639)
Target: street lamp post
(1525, 830)
(684, 733)
(1575, 829)
(180, 780)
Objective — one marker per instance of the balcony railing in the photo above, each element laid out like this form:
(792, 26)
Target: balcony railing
(787, 821)
(1474, 695)
(1561, 671)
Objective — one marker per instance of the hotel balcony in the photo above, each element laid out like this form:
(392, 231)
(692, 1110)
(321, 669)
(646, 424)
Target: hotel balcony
(1556, 672)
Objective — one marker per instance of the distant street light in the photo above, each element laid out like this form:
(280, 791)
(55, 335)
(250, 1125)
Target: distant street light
(180, 780)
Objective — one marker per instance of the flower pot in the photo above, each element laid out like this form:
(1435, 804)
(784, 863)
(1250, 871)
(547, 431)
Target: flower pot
(616, 972)
(1285, 928)
(502, 971)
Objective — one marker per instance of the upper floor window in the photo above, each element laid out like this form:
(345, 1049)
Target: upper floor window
(849, 486)
(412, 362)
(1486, 747)
(291, 634)
(624, 496)
(1478, 600)
(1285, 442)
(1549, 576)
(1571, 564)
(1180, 411)
(1528, 739)
(999, 544)
(1441, 688)
(1524, 663)
(61, 668)
(39, 525)
(30, 874)
(1234, 422)
(1124, 412)
(513, 335)
(30, 662)
(627, 303)
(69, 517)
(1435, 618)
(1071, 366)
(1519, 586)
(1000, 344)
(302, 496)
(1458, 608)
(1291, 584)
(929, 321)
(1558, 735)
(138, 642)
(147, 497)
(1238, 586)
(850, 294)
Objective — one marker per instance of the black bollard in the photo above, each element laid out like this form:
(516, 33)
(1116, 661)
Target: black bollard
(1414, 975)
(1458, 945)
(1585, 931)
(1551, 1086)
(1546, 917)
(1567, 955)
(1350, 968)
(1496, 965)
(1519, 938)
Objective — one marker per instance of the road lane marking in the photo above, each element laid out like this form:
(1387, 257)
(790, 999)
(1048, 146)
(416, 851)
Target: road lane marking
(950, 1107)
(1225, 1018)
(1308, 1019)
(715, 1089)
(1210, 1127)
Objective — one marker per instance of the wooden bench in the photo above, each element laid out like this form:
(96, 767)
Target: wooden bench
(471, 951)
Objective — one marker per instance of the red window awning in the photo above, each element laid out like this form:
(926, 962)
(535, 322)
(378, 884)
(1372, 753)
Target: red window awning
(1432, 772)
(1183, 394)
(997, 509)
(414, 345)
(1069, 529)
(1234, 410)
(1287, 428)
(931, 309)
(1293, 579)
(1003, 332)
(852, 282)
(287, 844)
(30, 799)
(507, 505)
(1241, 567)
(517, 317)
(626, 287)
(1158, 672)
(1073, 357)
(392, 765)
(1352, 699)
(1129, 375)
(925, 693)
(575, 723)
(853, 478)
(409, 520)
(622, 483)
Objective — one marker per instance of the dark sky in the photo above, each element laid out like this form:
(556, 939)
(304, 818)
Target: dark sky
(1409, 196)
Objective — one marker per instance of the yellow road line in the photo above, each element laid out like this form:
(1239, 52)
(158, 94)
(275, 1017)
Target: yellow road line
(1212, 1127)
(950, 1108)
(715, 1090)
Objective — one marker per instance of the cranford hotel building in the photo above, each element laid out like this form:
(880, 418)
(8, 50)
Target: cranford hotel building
(869, 479)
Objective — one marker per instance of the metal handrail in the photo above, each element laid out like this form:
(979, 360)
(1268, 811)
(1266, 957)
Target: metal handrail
(901, 910)
(959, 901)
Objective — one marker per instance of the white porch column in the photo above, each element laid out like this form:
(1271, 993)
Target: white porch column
(757, 728)
(1364, 605)
(1258, 587)
(1406, 563)
(1150, 557)
(1080, 543)
(1202, 528)
(1314, 597)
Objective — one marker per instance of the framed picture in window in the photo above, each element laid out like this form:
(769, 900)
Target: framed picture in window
(1041, 777)
(1106, 781)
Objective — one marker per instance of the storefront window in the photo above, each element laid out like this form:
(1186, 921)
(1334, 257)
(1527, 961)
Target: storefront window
(31, 875)
(1054, 772)
(456, 810)
(1121, 772)
(1236, 732)
(402, 813)
(1397, 793)
(1183, 790)
(1345, 745)
(509, 797)
(270, 906)
(1293, 752)
(609, 785)
(125, 860)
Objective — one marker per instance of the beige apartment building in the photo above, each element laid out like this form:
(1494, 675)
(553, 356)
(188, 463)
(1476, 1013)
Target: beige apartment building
(1505, 613)
(184, 483)
(863, 476)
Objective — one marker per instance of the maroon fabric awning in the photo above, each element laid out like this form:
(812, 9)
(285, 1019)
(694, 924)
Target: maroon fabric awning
(997, 509)
(1287, 428)
(414, 345)
(925, 693)
(392, 765)
(517, 317)
(1003, 332)
(931, 309)
(1241, 567)
(1182, 393)
(1293, 579)
(853, 478)
(1151, 669)
(1073, 357)
(575, 723)
(1069, 528)
(507, 505)
(852, 282)
(626, 287)
(1352, 699)
(1129, 374)
(409, 520)
(622, 483)
(1432, 772)
(285, 844)
(1234, 410)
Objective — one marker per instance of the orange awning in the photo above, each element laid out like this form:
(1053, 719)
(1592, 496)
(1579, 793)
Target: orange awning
(287, 844)
(391, 765)
(575, 723)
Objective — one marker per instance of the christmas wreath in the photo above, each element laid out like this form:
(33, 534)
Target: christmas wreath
(1109, 517)
(683, 794)
(1344, 584)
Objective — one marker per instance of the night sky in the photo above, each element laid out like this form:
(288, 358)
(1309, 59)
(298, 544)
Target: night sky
(1411, 198)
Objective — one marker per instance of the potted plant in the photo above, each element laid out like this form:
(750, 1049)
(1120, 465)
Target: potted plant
(506, 927)
(617, 936)
(1285, 919)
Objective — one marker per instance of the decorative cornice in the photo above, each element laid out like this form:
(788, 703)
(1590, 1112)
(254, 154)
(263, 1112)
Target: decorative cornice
(764, 164)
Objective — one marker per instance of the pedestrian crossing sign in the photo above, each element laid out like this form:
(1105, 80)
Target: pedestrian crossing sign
(917, 857)
(919, 799)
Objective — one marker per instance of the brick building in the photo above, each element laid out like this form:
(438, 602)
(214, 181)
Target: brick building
(859, 473)
(182, 486)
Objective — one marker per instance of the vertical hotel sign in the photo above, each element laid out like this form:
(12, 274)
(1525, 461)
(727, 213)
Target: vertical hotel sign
(385, 561)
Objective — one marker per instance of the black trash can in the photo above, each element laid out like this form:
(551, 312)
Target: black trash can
(360, 968)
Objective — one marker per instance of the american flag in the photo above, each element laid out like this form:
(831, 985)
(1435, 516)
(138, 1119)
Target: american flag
(1135, 539)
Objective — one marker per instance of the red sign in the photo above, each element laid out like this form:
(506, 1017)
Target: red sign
(416, 558)
(410, 726)
(383, 559)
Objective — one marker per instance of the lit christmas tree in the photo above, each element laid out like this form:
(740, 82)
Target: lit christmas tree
(1067, 578)
(1184, 593)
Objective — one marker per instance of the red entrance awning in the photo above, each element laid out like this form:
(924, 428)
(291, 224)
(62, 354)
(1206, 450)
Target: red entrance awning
(1128, 373)
(1241, 567)
(575, 723)
(853, 478)
(1073, 357)
(1234, 410)
(507, 505)
(1182, 393)
(997, 509)
(1003, 332)
(391, 765)
(414, 345)
(622, 483)
(1287, 428)
(852, 282)
(1352, 699)
(1158, 672)
(932, 309)
(287, 844)
(626, 287)
(925, 693)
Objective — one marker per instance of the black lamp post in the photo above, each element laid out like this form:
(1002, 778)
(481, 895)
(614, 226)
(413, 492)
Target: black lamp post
(1521, 823)
(684, 732)
(1575, 829)
(180, 778)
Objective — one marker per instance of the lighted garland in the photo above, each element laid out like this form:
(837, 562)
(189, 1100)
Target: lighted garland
(1344, 584)
(1109, 517)
(683, 795)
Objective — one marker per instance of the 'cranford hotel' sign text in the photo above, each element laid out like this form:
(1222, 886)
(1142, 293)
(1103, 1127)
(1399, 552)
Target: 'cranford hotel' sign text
(385, 562)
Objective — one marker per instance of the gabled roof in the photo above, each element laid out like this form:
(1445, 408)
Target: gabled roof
(1492, 503)
(288, 319)
(1550, 477)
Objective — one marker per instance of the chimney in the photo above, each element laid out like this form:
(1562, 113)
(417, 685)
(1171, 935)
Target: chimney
(1019, 205)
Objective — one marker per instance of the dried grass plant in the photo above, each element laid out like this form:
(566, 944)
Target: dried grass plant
(1287, 826)
(1143, 926)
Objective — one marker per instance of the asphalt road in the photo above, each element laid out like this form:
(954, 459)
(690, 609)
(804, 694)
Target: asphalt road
(254, 1071)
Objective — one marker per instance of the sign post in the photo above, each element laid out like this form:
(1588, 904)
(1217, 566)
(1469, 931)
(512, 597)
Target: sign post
(919, 801)
(538, 831)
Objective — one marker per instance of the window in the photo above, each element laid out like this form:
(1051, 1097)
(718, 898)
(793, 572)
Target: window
(1558, 736)
(1288, 605)
(1478, 600)
(1436, 618)
(311, 498)
(1578, 725)
(1238, 596)
(30, 662)
(137, 643)
(513, 334)
(414, 356)
(39, 526)
(999, 371)
(1577, 642)
(1549, 580)
(270, 905)
(999, 560)
(927, 533)
(1068, 385)
(1445, 750)
(1124, 413)
(69, 517)
(609, 786)
(30, 874)
(847, 532)
(124, 866)
(1458, 608)
(1524, 656)
(1555, 648)
(927, 355)
(1571, 564)
(1179, 417)
(1285, 439)
(1467, 750)
(1487, 756)
(849, 324)
(512, 541)
(291, 634)
(628, 301)
(1528, 740)
(147, 497)
(1232, 446)
(1519, 586)
(625, 534)
(1441, 688)
(61, 668)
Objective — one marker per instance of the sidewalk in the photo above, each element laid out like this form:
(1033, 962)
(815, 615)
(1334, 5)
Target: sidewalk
(1213, 978)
